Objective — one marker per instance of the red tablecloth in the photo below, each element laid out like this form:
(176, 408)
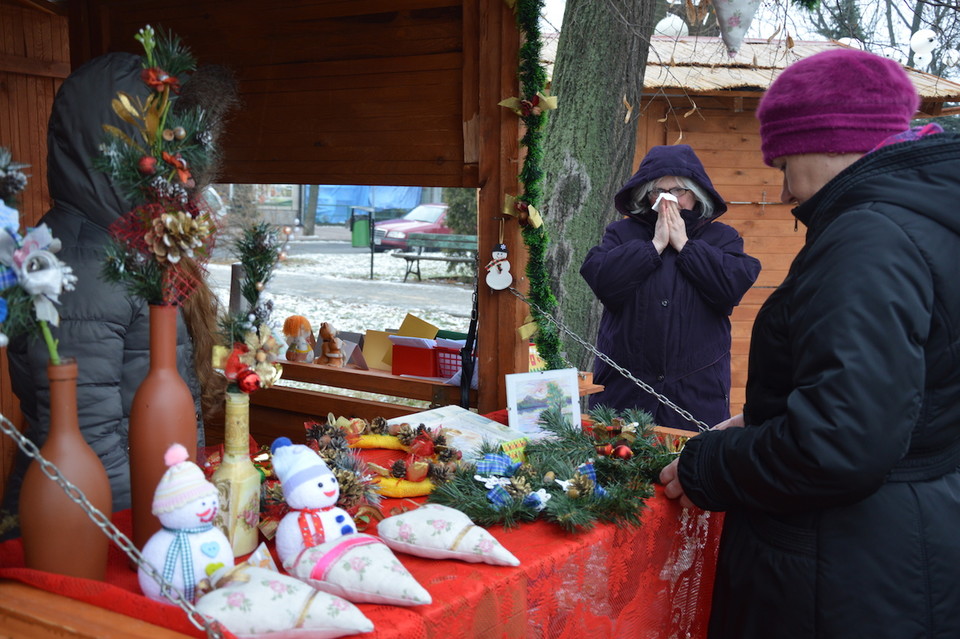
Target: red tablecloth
(651, 581)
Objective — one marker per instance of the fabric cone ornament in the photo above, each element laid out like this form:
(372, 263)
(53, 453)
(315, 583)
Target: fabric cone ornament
(734, 18)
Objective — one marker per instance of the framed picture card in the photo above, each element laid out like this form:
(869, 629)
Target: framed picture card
(529, 394)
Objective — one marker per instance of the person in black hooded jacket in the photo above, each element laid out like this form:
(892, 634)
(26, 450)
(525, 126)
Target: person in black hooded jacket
(840, 479)
(668, 275)
(101, 325)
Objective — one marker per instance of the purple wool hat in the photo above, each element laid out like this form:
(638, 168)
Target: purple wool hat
(842, 101)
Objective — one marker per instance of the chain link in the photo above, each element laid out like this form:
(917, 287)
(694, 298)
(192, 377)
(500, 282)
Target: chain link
(662, 399)
(76, 495)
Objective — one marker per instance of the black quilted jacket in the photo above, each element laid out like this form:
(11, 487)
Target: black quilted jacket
(842, 492)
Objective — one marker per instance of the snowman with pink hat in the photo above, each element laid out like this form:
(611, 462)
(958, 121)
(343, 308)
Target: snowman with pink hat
(188, 548)
(311, 490)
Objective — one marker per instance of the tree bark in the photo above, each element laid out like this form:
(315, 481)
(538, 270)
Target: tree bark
(589, 145)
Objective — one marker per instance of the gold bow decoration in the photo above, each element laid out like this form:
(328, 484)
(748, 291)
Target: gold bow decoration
(534, 106)
(526, 214)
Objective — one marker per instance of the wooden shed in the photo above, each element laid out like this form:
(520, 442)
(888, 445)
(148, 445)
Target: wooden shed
(695, 94)
(380, 92)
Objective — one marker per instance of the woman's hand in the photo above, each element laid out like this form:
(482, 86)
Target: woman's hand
(734, 422)
(672, 487)
(678, 230)
(661, 233)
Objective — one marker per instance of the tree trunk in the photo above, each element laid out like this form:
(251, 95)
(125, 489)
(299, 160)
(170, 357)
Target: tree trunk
(308, 216)
(589, 145)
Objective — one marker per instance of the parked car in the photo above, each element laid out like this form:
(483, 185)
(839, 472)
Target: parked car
(425, 218)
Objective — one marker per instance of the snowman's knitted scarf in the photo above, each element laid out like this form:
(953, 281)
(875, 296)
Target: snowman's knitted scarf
(179, 552)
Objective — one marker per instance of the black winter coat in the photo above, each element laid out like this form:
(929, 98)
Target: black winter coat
(843, 492)
(106, 330)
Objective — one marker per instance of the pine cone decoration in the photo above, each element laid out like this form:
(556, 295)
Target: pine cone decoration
(519, 487)
(440, 439)
(351, 488)
(399, 469)
(445, 454)
(440, 473)
(405, 434)
(582, 483)
(378, 426)
(175, 235)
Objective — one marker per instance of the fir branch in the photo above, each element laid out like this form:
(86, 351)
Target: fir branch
(626, 483)
(142, 276)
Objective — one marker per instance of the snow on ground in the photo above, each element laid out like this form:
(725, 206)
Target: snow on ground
(386, 312)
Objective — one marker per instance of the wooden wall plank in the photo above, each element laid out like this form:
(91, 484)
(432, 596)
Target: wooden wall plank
(26, 94)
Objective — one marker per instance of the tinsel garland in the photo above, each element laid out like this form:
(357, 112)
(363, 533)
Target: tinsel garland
(574, 477)
(533, 78)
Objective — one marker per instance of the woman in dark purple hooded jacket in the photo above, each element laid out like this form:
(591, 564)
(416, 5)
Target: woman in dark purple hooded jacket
(668, 282)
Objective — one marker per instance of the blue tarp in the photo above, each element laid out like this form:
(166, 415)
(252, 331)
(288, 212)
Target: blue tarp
(334, 200)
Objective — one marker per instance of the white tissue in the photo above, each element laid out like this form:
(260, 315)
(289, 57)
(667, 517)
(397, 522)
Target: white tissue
(664, 196)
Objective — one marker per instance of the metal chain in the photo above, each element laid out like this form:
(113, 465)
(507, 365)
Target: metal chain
(662, 399)
(76, 495)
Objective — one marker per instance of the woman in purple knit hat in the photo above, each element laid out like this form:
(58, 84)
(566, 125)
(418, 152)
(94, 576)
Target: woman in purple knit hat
(668, 275)
(840, 479)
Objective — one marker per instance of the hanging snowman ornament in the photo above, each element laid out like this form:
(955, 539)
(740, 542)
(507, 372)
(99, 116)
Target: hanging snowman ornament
(311, 490)
(498, 269)
(188, 548)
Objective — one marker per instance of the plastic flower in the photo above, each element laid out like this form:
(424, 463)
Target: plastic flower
(32, 276)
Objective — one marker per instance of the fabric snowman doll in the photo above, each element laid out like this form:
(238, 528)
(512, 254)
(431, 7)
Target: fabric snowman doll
(311, 490)
(498, 269)
(188, 547)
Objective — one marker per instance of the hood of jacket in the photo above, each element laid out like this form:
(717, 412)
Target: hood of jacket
(660, 161)
(76, 131)
(919, 175)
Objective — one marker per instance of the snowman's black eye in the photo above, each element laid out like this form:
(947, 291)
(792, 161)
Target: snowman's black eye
(320, 484)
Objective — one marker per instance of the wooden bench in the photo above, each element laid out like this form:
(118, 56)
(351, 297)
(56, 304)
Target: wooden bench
(433, 241)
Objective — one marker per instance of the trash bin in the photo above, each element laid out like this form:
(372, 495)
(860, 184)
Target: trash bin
(359, 228)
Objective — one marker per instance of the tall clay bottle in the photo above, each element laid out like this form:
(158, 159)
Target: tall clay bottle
(162, 414)
(238, 480)
(58, 536)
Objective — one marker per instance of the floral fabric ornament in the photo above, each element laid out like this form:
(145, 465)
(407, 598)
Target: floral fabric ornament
(734, 18)
(441, 532)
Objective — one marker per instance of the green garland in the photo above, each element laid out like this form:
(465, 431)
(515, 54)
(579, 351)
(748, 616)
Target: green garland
(533, 78)
(626, 459)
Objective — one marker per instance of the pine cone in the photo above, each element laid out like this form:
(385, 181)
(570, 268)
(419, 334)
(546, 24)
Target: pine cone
(378, 426)
(445, 454)
(176, 235)
(351, 488)
(440, 473)
(519, 487)
(405, 434)
(440, 439)
(582, 483)
(399, 469)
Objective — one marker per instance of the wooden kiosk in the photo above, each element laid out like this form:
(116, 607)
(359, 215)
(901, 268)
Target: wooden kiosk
(380, 92)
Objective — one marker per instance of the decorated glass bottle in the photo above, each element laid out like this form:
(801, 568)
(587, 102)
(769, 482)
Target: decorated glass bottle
(237, 479)
(58, 535)
(162, 414)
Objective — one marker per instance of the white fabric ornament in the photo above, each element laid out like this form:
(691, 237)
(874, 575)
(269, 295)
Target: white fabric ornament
(734, 18)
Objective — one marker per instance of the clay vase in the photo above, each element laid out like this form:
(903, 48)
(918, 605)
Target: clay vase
(238, 480)
(58, 535)
(162, 414)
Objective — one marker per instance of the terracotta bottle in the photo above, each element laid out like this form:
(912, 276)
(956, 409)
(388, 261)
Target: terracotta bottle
(238, 480)
(58, 535)
(162, 414)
